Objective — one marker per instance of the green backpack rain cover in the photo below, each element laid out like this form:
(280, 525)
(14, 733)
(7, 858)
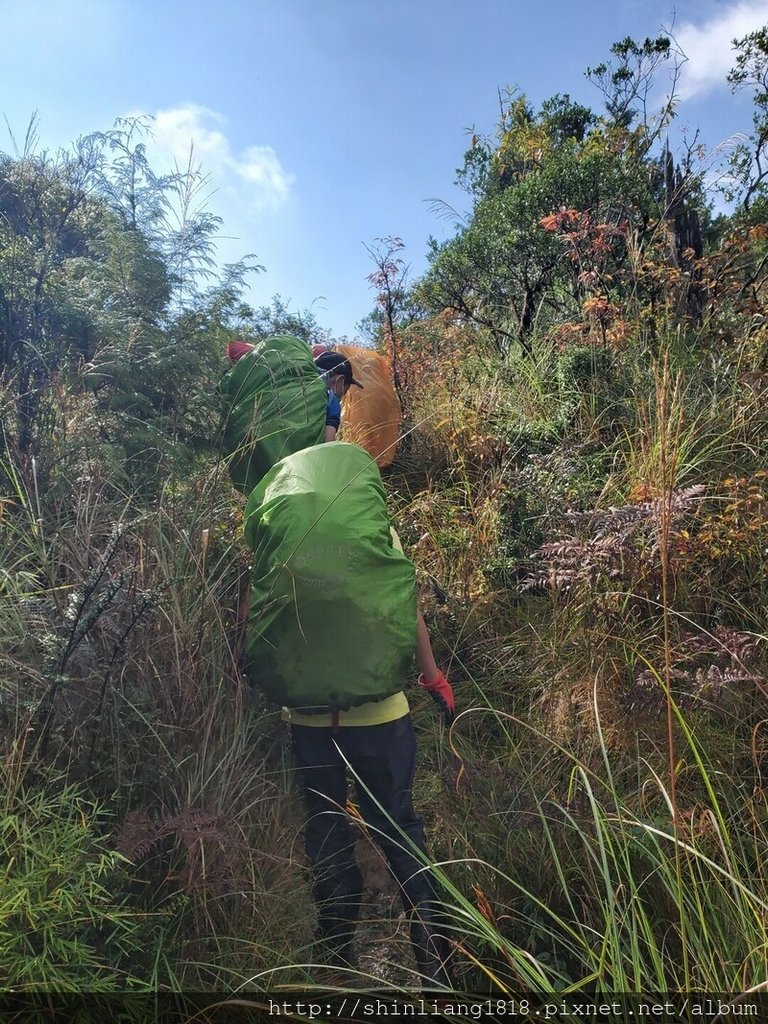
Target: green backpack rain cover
(332, 617)
(273, 404)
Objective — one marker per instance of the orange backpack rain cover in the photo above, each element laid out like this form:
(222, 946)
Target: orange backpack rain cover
(371, 416)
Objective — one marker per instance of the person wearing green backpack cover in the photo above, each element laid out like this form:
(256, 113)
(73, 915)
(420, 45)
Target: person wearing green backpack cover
(333, 629)
(273, 404)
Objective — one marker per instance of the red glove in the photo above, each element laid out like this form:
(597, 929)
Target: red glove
(441, 693)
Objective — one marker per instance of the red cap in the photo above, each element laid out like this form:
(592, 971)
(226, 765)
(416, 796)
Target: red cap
(237, 349)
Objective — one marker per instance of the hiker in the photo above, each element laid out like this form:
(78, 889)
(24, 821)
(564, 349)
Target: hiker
(333, 627)
(377, 740)
(273, 404)
(336, 373)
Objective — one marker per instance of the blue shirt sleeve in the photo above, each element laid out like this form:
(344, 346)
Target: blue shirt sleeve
(333, 411)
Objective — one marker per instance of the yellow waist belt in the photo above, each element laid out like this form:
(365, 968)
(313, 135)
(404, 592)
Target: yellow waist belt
(374, 712)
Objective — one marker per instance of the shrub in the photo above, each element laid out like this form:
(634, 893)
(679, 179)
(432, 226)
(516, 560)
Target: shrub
(62, 927)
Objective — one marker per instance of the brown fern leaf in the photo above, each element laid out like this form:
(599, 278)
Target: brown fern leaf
(137, 836)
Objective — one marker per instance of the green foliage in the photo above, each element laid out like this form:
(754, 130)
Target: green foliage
(598, 582)
(106, 266)
(507, 269)
(748, 160)
(277, 318)
(607, 895)
(504, 270)
(628, 79)
(584, 498)
(62, 928)
(45, 213)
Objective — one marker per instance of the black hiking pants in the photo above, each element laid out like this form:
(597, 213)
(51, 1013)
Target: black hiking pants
(383, 762)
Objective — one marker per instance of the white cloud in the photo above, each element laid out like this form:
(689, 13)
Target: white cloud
(179, 130)
(259, 165)
(709, 47)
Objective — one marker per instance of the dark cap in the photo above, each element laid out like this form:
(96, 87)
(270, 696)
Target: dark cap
(331, 362)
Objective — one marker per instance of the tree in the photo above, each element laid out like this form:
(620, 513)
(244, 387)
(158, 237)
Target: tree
(504, 270)
(389, 279)
(627, 82)
(277, 318)
(153, 391)
(749, 161)
(108, 267)
(49, 220)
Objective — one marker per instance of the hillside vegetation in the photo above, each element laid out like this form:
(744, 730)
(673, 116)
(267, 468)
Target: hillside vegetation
(581, 484)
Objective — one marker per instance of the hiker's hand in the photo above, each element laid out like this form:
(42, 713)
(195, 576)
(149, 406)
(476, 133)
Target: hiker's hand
(439, 689)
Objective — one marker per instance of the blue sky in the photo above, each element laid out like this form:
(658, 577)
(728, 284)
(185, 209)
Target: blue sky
(324, 124)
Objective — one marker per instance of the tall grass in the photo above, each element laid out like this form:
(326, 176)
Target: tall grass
(619, 899)
(598, 812)
(119, 650)
(608, 811)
